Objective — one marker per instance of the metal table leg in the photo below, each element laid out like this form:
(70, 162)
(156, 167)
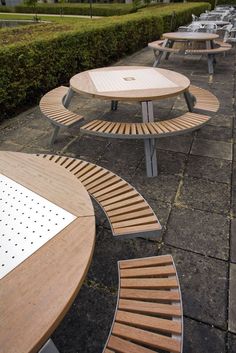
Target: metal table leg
(157, 57)
(189, 98)
(49, 347)
(114, 105)
(149, 144)
(66, 103)
(68, 98)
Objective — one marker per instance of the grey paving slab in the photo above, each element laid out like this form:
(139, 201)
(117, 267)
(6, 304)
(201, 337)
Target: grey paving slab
(232, 343)
(232, 298)
(210, 148)
(161, 188)
(233, 241)
(205, 195)
(200, 338)
(109, 250)
(224, 120)
(175, 143)
(199, 231)
(11, 146)
(203, 282)
(168, 163)
(218, 133)
(123, 157)
(213, 169)
(86, 326)
(88, 148)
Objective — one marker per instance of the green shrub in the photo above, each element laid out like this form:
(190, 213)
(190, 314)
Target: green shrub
(40, 61)
(217, 2)
(79, 9)
(6, 9)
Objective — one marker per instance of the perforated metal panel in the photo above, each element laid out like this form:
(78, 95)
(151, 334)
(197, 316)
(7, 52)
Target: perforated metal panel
(125, 80)
(27, 221)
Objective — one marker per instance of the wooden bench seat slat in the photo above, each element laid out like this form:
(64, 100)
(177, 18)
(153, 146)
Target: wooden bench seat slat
(108, 351)
(94, 177)
(150, 307)
(133, 222)
(120, 204)
(129, 216)
(155, 294)
(146, 337)
(117, 192)
(127, 209)
(114, 195)
(127, 195)
(151, 261)
(151, 322)
(153, 283)
(147, 271)
(111, 188)
(121, 345)
(143, 228)
(178, 125)
(104, 182)
(146, 322)
(105, 127)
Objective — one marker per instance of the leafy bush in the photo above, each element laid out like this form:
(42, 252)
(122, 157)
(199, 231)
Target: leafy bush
(79, 9)
(40, 61)
(6, 9)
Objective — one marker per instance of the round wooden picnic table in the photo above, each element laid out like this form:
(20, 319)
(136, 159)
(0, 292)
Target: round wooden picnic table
(137, 79)
(132, 83)
(190, 42)
(190, 36)
(36, 294)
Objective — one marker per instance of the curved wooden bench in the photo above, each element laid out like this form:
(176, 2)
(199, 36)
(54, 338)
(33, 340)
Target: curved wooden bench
(176, 126)
(159, 50)
(127, 211)
(52, 107)
(149, 313)
(221, 48)
(158, 45)
(203, 99)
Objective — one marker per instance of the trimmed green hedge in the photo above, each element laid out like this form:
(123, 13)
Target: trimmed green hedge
(29, 69)
(76, 9)
(219, 2)
(6, 8)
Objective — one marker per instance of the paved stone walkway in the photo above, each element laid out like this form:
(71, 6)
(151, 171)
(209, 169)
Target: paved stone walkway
(194, 197)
